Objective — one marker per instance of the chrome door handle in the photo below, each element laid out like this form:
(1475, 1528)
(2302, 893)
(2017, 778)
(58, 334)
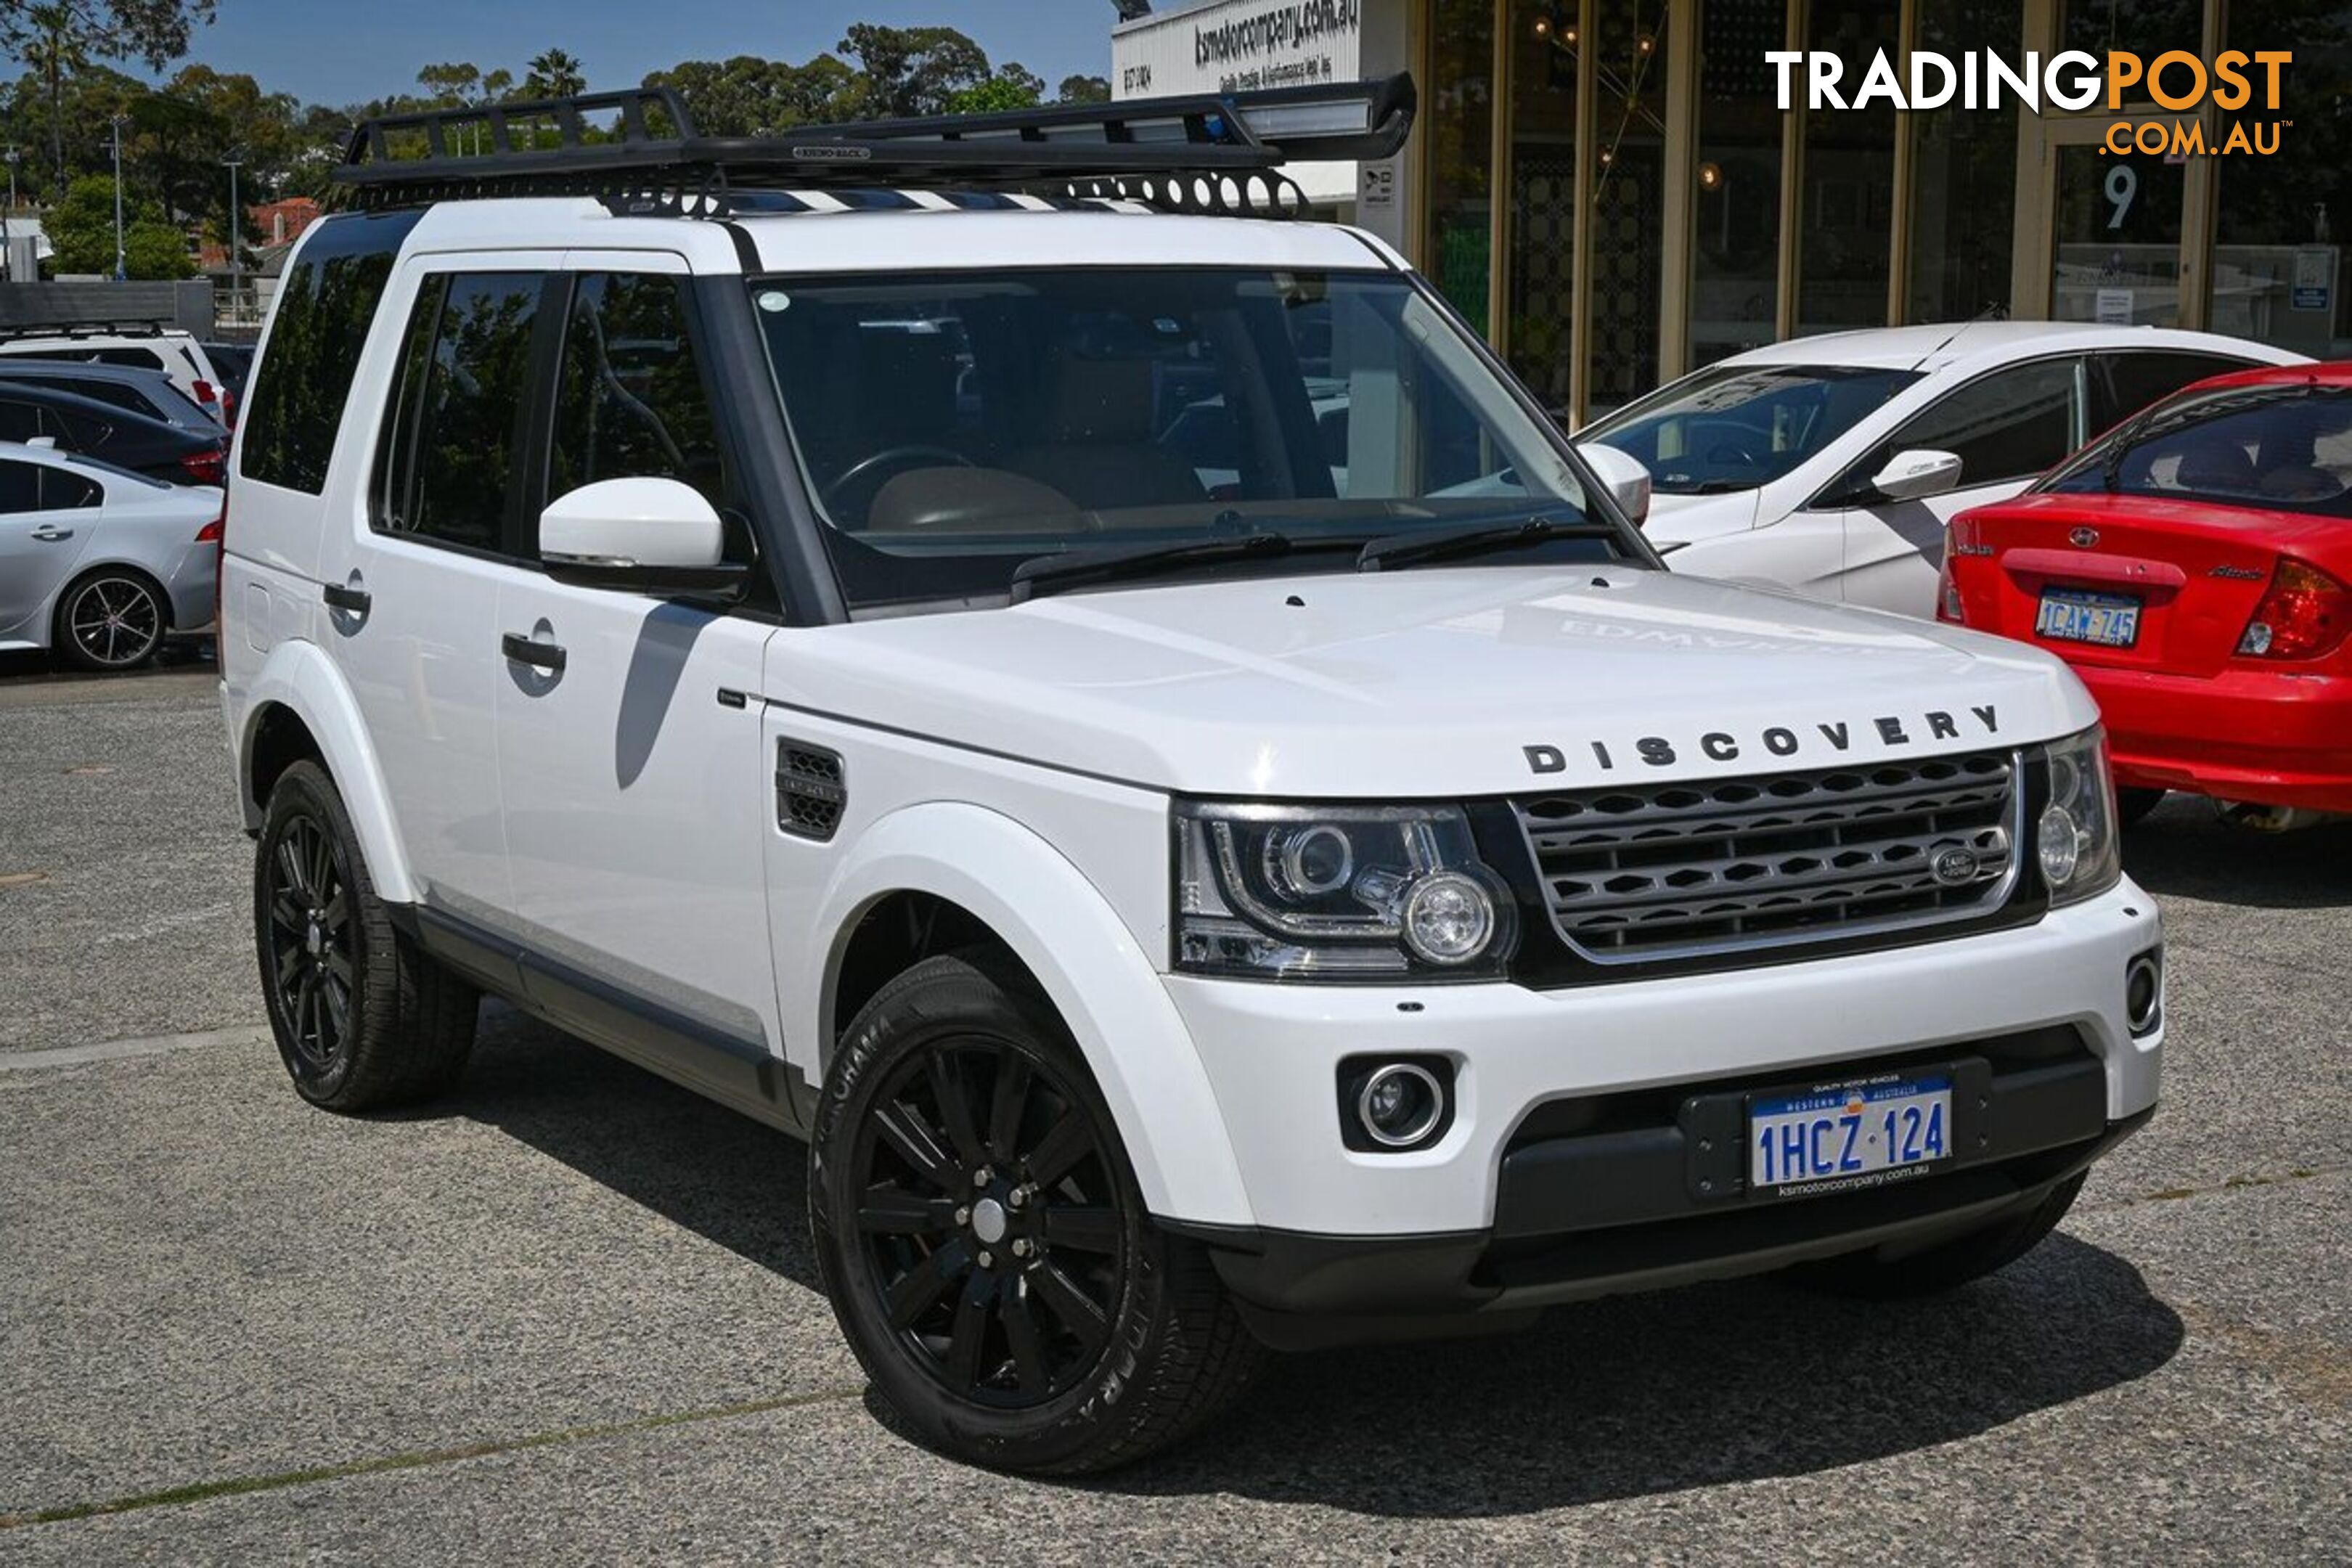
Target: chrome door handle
(49, 535)
(544, 655)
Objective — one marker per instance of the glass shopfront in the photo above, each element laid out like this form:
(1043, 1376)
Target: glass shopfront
(1608, 189)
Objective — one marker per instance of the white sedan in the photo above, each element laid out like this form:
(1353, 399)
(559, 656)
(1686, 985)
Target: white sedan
(1830, 465)
(98, 562)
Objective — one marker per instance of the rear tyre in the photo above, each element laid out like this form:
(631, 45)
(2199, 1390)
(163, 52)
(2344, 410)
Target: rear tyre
(363, 1020)
(110, 620)
(2132, 805)
(1948, 1265)
(985, 1244)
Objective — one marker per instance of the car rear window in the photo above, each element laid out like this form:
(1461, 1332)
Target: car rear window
(2275, 448)
(325, 306)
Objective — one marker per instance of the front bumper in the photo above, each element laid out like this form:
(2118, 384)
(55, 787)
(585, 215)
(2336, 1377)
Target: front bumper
(1579, 1114)
(2265, 736)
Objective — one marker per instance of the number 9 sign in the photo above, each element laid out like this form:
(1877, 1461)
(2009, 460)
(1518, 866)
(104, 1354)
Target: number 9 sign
(2122, 186)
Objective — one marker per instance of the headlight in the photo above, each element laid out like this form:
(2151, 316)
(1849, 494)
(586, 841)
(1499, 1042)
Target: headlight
(1339, 892)
(2075, 839)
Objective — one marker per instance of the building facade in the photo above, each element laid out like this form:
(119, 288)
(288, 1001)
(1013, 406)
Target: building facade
(1609, 190)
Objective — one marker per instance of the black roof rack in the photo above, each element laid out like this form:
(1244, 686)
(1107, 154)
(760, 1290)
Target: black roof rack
(638, 151)
(89, 328)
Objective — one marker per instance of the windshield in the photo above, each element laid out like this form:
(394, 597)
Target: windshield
(2281, 449)
(1734, 427)
(956, 427)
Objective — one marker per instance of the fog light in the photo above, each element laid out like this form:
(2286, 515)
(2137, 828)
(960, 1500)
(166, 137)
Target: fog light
(1448, 917)
(1401, 1105)
(2144, 992)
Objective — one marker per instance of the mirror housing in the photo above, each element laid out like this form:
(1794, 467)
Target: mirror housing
(1625, 475)
(638, 536)
(1917, 474)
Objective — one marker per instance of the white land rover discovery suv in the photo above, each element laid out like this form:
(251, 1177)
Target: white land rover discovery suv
(1315, 878)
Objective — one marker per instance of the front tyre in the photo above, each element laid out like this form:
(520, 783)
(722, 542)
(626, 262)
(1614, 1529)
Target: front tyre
(363, 1020)
(1948, 1265)
(985, 1244)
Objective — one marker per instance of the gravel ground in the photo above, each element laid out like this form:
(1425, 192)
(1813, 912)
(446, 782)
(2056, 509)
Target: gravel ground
(570, 1316)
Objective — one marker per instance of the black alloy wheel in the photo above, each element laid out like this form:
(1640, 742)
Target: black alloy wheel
(109, 621)
(985, 1242)
(989, 1222)
(307, 895)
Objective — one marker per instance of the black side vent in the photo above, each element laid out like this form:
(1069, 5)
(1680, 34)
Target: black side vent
(810, 792)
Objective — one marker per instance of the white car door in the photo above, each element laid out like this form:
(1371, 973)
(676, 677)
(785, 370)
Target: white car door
(637, 806)
(39, 544)
(411, 586)
(2006, 426)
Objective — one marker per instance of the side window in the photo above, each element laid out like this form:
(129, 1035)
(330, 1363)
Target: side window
(75, 430)
(20, 487)
(447, 471)
(2009, 425)
(318, 328)
(630, 402)
(2138, 378)
(18, 421)
(136, 359)
(62, 491)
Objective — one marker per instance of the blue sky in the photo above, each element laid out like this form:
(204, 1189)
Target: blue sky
(333, 53)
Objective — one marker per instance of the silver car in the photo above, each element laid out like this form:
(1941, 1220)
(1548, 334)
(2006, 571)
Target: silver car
(98, 563)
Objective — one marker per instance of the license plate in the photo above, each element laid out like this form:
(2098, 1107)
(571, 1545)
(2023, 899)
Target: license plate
(1850, 1135)
(2110, 620)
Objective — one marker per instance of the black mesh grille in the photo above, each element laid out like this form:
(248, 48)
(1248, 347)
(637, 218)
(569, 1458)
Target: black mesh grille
(811, 790)
(1657, 870)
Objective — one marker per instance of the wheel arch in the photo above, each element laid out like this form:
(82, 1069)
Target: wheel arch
(299, 705)
(990, 879)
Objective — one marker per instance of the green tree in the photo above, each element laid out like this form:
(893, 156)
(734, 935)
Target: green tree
(155, 31)
(81, 226)
(748, 95)
(913, 70)
(56, 47)
(1011, 88)
(1084, 89)
(554, 74)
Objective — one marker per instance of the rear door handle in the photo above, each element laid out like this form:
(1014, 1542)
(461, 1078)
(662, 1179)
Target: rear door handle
(352, 601)
(544, 655)
(51, 535)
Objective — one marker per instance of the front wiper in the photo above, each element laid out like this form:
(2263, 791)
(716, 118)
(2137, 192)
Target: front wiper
(1073, 568)
(1472, 539)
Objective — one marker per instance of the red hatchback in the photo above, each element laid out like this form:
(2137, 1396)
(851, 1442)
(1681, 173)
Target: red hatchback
(2194, 566)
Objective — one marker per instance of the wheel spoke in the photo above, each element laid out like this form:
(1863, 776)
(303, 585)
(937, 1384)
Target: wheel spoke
(1010, 1099)
(340, 968)
(1061, 1295)
(1021, 1336)
(306, 1010)
(920, 1288)
(289, 961)
(890, 1210)
(1083, 1229)
(337, 1012)
(289, 864)
(904, 1131)
(971, 1331)
(948, 1088)
(1069, 1140)
(338, 910)
(284, 914)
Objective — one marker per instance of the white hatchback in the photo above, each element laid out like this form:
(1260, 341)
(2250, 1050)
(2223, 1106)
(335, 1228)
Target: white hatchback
(1830, 465)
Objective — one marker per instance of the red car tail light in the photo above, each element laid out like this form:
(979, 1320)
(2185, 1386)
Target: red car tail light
(205, 392)
(2306, 613)
(211, 532)
(206, 467)
(1948, 608)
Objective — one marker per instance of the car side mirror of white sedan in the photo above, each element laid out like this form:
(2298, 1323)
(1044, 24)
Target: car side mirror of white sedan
(1627, 479)
(637, 535)
(1917, 474)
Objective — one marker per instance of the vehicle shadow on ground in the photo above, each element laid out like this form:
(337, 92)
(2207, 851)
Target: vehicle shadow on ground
(2183, 850)
(718, 1173)
(1619, 1398)
(1647, 1396)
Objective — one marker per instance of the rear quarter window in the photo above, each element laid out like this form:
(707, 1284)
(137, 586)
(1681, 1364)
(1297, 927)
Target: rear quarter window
(325, 306)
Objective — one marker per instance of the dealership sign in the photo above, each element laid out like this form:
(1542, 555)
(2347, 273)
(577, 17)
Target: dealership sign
(1239, 47)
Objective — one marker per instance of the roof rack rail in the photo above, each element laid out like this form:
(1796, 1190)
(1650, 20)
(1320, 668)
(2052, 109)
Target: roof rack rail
(638, 151)
(93, 327)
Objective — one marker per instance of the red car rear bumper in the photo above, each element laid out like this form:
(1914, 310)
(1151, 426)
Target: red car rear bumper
(2263, 736)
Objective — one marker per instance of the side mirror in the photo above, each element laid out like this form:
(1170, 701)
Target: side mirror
(1627, 479)
(1916, 475)
(639, 536)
